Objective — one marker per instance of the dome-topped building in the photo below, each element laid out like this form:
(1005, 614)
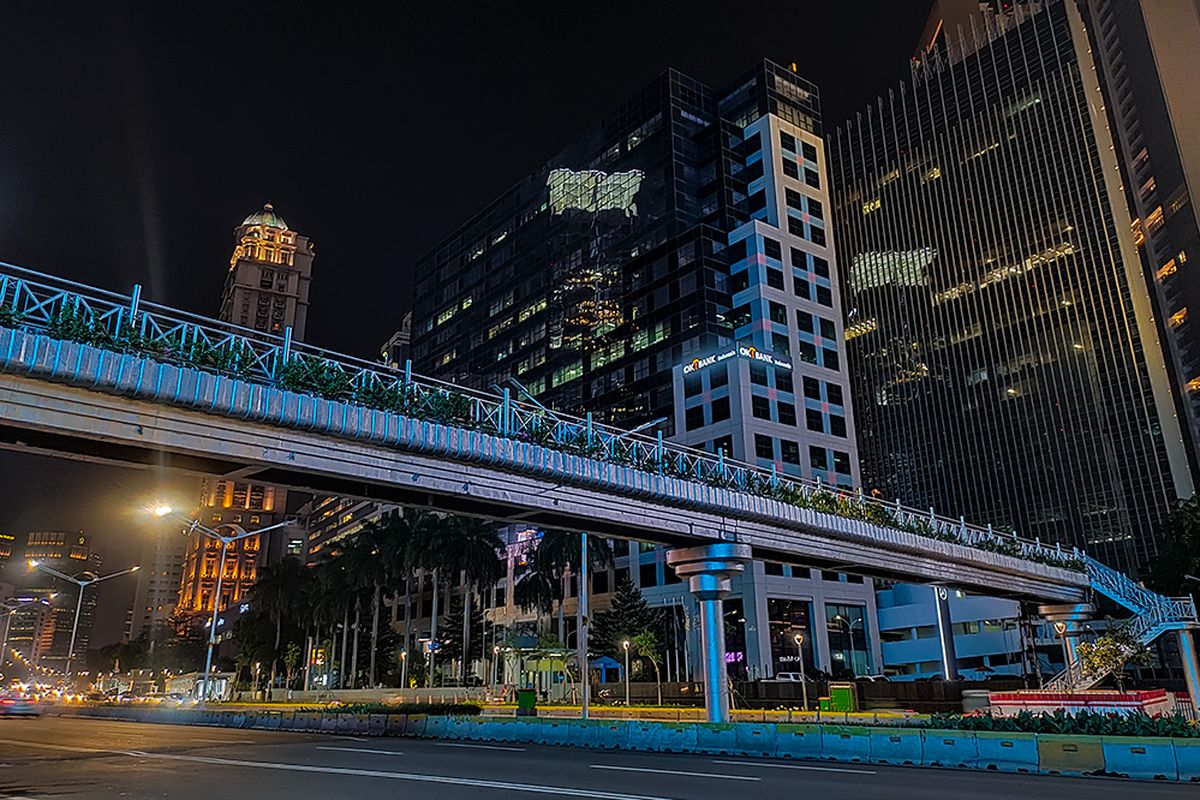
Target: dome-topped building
(267, 218)
(269, 273)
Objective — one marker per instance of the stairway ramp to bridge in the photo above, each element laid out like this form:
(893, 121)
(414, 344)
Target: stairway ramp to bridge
(1153, 615)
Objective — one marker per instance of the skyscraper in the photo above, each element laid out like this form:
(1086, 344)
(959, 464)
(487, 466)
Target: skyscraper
(1147, 53)
(266, 289)
(43, 634)
(1004, 357)
(672, 267)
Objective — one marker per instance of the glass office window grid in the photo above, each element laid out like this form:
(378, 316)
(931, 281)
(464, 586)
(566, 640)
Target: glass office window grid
(1004, 370)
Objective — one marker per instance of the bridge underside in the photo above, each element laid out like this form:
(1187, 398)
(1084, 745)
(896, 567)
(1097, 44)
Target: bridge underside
(45, 417)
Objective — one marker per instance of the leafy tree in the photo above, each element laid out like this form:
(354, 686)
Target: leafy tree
(645, 645)
(278, 593)
(1112, 652)
(628, 616)
(451, 640)
(291, 660)
(1179, 555)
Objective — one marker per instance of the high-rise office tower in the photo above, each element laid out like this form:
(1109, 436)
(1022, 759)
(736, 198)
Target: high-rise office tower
(673, 265)
(43, 634)
(158, 583)
(1147, 54)
(1003, 351)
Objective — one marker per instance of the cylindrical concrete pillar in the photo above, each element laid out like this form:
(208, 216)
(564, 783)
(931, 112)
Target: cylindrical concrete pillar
(1191, 666)
(707, 570)
(712, 640)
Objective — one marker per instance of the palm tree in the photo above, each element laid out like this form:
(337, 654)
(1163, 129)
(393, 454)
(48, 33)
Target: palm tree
(471, 547)
(405, 537)
(332, 594)
(277, 593)
(559, 552)
(366, 573)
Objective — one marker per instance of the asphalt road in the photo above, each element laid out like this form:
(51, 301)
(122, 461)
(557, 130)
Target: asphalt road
(61, 757)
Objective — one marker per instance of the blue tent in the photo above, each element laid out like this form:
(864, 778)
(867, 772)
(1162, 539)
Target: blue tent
(609, 669)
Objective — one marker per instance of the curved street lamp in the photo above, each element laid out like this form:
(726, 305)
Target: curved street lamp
(239, 533)
(83, 583)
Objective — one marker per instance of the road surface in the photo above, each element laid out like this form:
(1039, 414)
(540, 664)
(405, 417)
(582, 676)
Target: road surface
(64, 758)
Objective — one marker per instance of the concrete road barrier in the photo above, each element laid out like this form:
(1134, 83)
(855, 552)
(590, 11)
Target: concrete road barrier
(894, 746)
(798, 741)
(845, 743)
(1007, 752)
(1070, 755)
(1140, 757)
(948, 748)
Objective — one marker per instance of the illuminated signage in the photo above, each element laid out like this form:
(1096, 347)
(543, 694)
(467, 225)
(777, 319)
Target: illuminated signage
(594, 191)
(747, 351)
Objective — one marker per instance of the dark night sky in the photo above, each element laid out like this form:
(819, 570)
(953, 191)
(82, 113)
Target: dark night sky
(133, 139)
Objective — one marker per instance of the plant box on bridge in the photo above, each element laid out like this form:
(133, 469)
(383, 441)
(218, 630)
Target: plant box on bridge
(1153, 702)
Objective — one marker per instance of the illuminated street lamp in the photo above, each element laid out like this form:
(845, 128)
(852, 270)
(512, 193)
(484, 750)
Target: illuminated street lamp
(625, 644)
(403, 669)
(1061, 629)
(799, 640)
(9, 607)
(239, 533)
(83, 583)
(495, 668)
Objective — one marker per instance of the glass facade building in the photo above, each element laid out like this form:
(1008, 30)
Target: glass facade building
(674, 267)
(1004, 357)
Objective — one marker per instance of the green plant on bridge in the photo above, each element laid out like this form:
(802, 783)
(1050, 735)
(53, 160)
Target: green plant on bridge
(315, 376)
(10, 317)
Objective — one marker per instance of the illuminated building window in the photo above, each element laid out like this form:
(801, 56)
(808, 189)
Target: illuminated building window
(1166, 269)
(1179, 317)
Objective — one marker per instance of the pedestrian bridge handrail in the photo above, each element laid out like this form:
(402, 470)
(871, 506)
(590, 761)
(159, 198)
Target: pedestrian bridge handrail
(126, 323)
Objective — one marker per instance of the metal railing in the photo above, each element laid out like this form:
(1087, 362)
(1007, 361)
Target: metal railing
(126, 323)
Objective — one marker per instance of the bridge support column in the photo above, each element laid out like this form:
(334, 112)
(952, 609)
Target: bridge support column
(1068, 623)
(708, 569)
(1191, 666)
(941, 600)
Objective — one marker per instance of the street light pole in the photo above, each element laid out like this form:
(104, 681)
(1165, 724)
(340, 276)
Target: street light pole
(625, 644)
(799, 638)
(83, 584)
(239, 534)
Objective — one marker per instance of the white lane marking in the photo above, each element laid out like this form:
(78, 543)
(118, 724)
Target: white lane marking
(675, 772)
(480, 746)
(352, 738)
(530, 788)
(361, 750)
(228, 741)
(797, 766)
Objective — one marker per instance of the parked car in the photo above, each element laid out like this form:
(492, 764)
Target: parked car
(19, 705)
(788, 677)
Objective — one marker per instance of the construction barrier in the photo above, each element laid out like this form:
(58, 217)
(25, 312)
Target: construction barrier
(1134, 757)
(897, 746)
(1070, 755)
(1158, 758)
(949, 749)
(1007, 752)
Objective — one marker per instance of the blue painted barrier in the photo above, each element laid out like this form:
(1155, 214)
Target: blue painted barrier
(1187, 758)
(716, 738)
(435, 727)
(674, 737)
(895, 746)
(798, 741)
(599, 733)
(948, 748)
(1007, 752)
(1138, 757)
(845, 743)
(755, 739)
(552, 731)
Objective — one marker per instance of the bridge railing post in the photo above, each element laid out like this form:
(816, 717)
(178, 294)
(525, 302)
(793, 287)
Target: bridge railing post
(506, 414)
(135, 299)
(284, 354)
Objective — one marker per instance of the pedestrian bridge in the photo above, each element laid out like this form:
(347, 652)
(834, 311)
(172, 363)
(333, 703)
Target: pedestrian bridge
(86, 373)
